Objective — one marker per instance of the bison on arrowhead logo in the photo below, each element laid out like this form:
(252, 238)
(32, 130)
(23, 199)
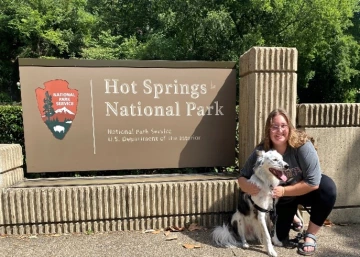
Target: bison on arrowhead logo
(57, 105)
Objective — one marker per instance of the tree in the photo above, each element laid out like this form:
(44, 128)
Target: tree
(48, 106)
(328, 62)
(325, 33)
(40, 29)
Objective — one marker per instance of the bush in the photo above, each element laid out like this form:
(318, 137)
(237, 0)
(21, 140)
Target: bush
(11, 125)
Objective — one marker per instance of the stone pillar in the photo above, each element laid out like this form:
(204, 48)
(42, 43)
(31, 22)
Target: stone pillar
(268, 80)
(11, 161)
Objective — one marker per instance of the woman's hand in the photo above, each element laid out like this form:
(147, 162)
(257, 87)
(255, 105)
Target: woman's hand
(278, 192)
(252, 189)
(248, 187)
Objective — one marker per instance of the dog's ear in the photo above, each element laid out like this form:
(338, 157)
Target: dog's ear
(259, 159)
(260, 153)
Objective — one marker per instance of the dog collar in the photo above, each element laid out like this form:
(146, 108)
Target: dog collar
(257, 207)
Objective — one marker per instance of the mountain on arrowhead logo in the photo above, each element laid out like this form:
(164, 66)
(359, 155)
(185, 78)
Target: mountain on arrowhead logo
(57, 104)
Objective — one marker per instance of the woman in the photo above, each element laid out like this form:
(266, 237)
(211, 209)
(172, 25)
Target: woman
(306, 184)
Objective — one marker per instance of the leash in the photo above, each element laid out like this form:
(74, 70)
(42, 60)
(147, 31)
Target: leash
(272, 213)
(306, 209)
(273, 218)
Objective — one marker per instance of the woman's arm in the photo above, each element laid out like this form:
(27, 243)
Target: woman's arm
(245, 173)
(309, 164)
(297, 189)
(248, 187)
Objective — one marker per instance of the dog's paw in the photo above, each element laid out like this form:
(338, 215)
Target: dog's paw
(272, 252)
(245, 245)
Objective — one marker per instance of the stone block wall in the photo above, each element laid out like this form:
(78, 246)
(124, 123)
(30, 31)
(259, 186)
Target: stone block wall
(336, 130)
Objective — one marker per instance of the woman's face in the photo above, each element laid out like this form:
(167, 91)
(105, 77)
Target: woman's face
(279, 131)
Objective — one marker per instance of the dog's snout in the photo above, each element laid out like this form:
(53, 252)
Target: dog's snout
(286, 166)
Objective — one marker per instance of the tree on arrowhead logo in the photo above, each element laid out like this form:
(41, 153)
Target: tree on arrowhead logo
(57, 104)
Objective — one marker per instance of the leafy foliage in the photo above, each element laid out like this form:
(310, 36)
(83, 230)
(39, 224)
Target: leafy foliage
(11, 125)
(325, 32)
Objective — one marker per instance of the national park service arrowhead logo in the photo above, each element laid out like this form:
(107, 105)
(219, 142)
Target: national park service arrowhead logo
(57, 104)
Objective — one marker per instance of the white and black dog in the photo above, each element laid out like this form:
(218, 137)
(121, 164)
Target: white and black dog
(252, 220)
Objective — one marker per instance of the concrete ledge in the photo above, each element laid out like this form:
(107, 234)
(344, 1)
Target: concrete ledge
(10, 157)
(11, 160)
(336, 130)
(328, 115)
(11, 177)
(338, 150)
(124, 180)
(77, 209)
(345, 215)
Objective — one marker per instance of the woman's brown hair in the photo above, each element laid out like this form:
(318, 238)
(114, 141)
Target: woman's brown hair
(296, 137)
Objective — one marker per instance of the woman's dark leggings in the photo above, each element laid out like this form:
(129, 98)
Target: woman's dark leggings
(321, 202)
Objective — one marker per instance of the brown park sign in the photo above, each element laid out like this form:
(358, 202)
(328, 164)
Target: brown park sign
(82, 115)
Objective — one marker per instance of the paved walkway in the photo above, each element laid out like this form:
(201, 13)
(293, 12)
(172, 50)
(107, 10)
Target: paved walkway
(336, 241)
